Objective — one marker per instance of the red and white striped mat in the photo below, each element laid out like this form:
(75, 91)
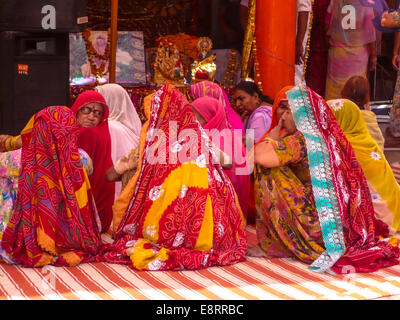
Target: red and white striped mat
(256, 278)
(396, 170)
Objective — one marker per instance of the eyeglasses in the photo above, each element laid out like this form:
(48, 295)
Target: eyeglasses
(96, 113)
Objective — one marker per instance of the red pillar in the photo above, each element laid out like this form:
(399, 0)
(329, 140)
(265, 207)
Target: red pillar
(276, 40)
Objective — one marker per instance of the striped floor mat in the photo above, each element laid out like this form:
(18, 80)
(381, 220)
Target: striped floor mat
(257, 278)
(396, 170)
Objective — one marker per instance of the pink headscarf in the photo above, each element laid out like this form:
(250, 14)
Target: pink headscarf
(214, 113)
(212, 90)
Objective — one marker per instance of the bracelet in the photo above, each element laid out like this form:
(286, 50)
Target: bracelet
(14, 142)
(11, 143)
(396, 17)
(7, 144)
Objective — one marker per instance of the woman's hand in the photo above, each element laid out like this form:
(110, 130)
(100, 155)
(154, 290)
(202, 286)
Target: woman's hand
(243, 115)
(396, 62)
(275, 133)
(264, 154)
(372, 62)
(112, 175)
(224, 159)
(250, 157)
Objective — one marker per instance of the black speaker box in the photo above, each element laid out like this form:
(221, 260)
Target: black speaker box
(34, 74)
(34, 15)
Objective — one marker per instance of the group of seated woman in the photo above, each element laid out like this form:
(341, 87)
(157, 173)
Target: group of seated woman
(186, 182)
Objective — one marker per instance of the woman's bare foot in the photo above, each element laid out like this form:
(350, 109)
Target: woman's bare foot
(255, 251)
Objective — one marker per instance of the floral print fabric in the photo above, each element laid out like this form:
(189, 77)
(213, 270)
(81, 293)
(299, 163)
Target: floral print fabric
(287, 223)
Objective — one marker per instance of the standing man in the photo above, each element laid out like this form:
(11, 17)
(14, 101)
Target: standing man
(304, 8)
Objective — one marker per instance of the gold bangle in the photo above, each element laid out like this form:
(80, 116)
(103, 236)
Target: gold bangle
(7, 144)
(396, 17)
(14, 142)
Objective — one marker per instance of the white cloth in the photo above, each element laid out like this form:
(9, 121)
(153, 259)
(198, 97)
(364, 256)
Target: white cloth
(123, 122)
(304, 5)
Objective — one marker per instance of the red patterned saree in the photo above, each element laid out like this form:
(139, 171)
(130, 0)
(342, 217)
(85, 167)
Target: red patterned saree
(181, 210)
(55, 220)
(353, 237)
(96, 141)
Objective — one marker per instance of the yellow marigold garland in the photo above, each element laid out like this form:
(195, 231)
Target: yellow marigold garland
(230, 71)
(307, 53)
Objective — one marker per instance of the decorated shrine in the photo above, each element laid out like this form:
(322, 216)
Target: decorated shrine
(155, 43)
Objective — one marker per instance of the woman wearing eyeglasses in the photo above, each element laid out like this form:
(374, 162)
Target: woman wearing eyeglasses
(89, 115)
(47, 209)
(92, 112)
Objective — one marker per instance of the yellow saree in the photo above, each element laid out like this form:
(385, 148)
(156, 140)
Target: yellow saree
(373, 128)
(383, 186)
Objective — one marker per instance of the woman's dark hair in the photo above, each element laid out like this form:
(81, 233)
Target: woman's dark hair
(356, 89)
(251, 88)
